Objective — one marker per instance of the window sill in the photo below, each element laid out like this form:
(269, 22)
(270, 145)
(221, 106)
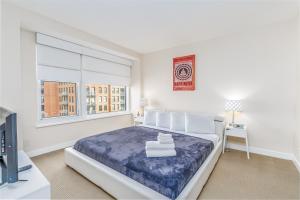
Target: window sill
(69, 120)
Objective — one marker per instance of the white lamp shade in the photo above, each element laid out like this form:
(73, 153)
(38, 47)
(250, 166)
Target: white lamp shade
(233, 105)
(143, 102)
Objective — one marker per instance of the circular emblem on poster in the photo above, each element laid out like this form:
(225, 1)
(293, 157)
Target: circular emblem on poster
(183, 71)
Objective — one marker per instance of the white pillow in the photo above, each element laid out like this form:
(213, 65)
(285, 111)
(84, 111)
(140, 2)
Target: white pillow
(178, 121)
(150, 118)
(200, 124)
(163, 120)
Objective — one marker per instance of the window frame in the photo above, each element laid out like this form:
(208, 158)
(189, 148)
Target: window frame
(56, 119)
(87, 53)
(104, 114)
(81, 108)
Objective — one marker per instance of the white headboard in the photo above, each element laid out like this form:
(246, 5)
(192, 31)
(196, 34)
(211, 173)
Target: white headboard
(152, 118)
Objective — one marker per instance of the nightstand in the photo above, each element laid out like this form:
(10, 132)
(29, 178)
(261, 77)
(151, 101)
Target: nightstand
(138, 120)
(236, 132)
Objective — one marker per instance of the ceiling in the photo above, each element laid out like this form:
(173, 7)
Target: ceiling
(151, 25)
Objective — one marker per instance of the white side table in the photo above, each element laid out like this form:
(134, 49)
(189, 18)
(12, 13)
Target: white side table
(37, 186)
(138, 120)
(236, 132)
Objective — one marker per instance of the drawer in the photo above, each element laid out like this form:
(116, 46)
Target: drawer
(236, 132)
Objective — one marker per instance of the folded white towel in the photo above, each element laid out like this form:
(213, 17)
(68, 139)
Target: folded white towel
(156, 145)
(160, 153)
(164, 135)
(163, 140)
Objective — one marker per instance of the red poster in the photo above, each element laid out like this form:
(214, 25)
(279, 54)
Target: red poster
(184, 73)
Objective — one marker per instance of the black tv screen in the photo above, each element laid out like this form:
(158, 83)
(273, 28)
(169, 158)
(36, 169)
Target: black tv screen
(8, 146)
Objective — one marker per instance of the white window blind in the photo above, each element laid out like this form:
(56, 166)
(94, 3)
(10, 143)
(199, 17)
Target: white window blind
(103, 66)
(46, 73)
(59, 59)
(54, 57)
(105, 56)
(94, 77)
(102, 71)
(58, 43)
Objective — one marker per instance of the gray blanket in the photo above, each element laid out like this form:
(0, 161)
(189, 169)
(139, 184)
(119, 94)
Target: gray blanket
(124, 151)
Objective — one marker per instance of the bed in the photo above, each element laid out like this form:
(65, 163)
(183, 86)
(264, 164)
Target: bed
(116, 162)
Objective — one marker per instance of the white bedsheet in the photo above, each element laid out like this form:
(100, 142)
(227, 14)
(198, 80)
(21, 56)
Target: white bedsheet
(212, 137)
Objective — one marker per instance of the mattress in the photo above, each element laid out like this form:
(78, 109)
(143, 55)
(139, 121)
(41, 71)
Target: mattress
(208, 136)
(124, 151)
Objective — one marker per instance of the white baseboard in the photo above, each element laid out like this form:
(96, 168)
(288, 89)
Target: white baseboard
(262, 151)
(296, 163)
(50, 148)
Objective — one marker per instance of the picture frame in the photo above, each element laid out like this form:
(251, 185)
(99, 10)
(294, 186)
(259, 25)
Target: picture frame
(184, 73)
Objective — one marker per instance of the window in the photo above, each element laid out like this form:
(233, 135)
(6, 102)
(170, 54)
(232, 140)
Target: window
(95, 97)
(118, 102)
(97, 102)
(77, 81)
(54, 99)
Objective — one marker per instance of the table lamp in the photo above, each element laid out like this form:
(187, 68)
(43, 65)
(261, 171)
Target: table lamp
(234, 106)
(143, 104)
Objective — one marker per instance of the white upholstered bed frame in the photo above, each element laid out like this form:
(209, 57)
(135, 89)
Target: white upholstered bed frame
(123, 187)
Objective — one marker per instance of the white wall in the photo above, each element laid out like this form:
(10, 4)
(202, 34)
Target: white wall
(19, 80)
(258, 67)
(11, 68)
(297, 135)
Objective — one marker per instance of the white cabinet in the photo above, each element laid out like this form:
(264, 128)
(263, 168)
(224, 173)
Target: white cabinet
(236, 132)
(37, 186)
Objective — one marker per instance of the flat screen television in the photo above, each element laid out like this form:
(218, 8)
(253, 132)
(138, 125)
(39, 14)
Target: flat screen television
(8, 146)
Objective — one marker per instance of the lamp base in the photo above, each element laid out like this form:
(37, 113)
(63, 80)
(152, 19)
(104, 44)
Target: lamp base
(234, 125)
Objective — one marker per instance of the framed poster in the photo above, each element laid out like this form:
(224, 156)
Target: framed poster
(184, 73)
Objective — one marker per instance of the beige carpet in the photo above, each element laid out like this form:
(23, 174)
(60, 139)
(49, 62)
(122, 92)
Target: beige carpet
(234, 177)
